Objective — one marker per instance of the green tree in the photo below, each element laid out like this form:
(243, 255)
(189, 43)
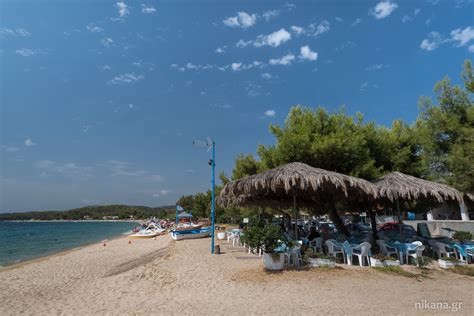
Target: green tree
(446, 132)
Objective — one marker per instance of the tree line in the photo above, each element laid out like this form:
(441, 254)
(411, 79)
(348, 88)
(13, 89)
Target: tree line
(438, 146)
(96, 213)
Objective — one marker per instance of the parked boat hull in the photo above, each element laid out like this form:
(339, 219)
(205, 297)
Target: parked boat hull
(138, 235)
(191, 234)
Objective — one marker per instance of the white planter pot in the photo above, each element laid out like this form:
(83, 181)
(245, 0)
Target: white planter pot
(221, 236)
(272, 264)
(317, 262)
(391, 263)
(376, 262)
(446, 264)
(461, 263)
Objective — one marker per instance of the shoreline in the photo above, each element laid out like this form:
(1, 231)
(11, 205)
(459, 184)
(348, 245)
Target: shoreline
(59, 252)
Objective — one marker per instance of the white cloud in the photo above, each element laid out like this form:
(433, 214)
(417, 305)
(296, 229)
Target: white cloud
(107, 41)
(313, 29)
(93, 28)
(285, 60)
(162, 192)
(383, 9)
(462, 36)
(356, 22)
(11, 149)
(122, 168)
(44, 164)
(148, 9)
(267, 76)
(126, 78)
(471, 48)
(274, 39)
(69, 169)
(433, 41)
(410, 17)
(105, 67)
(270, 113)
(242, 20)
(14, 32)
(307, 54)
(297, 30)
(220, 50)
(28, 52)
(122, 9)
(29, 142)
(236, 66)
(268, 15)
(376, 67)
(157, 178)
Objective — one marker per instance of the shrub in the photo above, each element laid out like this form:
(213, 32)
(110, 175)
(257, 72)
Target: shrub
(422, 262)
(267, 237)
(450, 259)
(462, 236)
(383, 258)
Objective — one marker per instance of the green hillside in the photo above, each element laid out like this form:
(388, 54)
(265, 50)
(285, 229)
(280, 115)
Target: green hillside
(95, 212)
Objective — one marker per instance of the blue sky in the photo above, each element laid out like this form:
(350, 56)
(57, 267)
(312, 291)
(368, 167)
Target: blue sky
(100, 100)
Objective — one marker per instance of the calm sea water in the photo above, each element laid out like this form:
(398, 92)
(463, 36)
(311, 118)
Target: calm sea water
(20, 241)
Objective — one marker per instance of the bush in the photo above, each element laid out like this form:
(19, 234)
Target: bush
(450, 259)
(462, 236)
(267, 237)
(312, 254)
(383, 258)
(422, 262)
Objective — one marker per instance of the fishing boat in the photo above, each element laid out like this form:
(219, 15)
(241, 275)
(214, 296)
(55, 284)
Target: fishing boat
(191, 233)
(150, 231)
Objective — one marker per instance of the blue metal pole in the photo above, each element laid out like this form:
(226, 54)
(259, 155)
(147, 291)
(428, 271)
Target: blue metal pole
(213, 210)
(176, 218)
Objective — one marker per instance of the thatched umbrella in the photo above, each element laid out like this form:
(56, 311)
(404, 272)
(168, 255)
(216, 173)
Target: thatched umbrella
(397, 186)
(282, 186)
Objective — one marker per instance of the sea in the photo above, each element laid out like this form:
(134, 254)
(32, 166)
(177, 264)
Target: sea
(21, 241)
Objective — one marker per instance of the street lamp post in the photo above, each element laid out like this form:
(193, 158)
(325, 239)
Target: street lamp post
(211, 145)
(213, 183)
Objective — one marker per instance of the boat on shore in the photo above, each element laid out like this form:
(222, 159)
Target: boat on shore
(187, 226)
(152, 230)
(190, 233)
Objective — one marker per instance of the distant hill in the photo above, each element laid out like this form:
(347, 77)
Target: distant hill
(96, 212)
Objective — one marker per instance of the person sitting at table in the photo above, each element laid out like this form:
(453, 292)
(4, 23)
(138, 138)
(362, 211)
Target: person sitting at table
(325, 233)
(313, 234)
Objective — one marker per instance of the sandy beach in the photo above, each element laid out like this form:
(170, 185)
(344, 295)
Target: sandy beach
(165, 277)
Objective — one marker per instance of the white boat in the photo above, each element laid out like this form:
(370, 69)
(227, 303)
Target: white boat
(150, 231)
(191, 233)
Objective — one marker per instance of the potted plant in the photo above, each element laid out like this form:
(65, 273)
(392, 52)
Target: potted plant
(270, 239)
(383, 261)
(315, 259)
(450, 262)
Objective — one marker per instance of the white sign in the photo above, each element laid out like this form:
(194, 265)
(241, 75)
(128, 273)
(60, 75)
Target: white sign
(246, 220)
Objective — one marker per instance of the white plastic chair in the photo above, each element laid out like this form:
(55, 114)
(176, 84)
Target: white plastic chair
(441, 249)
(333, 248)
(416, 252)
(317, 244)
(362, 252)
(387, 250)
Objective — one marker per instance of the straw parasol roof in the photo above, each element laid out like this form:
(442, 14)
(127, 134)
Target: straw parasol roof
(399, 186)
(278, 186)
